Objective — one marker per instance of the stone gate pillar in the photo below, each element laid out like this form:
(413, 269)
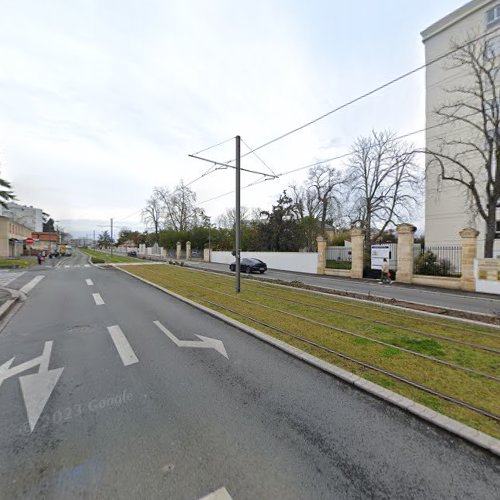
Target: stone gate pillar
(469, 253)
(357, 251)
(179, 250)
(406, 239)
(321, 242)
(188, 250)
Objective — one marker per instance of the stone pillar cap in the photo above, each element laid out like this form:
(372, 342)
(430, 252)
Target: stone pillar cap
(405, 228)
(469, 232)
(357, 231)
(320, 238)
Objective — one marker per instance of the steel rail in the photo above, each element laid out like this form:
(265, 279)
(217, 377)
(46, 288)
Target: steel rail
(385, 323)
(268, 282)
(341, 330)
(395, 376)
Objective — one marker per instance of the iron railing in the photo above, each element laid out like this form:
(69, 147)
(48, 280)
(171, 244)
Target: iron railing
(338, 257)
(439, 261)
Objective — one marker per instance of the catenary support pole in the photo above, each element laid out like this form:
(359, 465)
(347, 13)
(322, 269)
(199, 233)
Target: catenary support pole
(237, 221)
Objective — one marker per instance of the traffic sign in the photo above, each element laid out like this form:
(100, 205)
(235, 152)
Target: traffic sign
(29, 241)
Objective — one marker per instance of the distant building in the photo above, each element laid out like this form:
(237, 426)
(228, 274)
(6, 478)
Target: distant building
(44, 241)
(447, 208)
(27, 216)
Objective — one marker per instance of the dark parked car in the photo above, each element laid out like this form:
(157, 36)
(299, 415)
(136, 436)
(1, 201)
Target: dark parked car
(133, 253)
(250, 266)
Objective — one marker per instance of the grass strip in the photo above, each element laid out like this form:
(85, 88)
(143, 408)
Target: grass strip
(473, 389)
(17, 263)
(99, 257)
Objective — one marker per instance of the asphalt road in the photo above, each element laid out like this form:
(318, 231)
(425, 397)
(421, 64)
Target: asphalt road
(453, 299)
(133, 412)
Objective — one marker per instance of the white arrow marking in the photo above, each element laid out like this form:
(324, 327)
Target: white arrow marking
(7, 372)
(37, 389)
(32, 284)
(220, 494)
(203, 343)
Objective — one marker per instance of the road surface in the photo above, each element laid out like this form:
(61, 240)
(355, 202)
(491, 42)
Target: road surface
(117, 390)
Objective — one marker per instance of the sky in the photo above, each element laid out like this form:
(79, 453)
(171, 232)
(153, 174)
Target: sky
(102, 100)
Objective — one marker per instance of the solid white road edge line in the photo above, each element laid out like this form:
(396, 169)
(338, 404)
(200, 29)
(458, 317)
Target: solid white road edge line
(32, 284)
(98, 299)
(122, 345)
(89, 282)
(438, 419)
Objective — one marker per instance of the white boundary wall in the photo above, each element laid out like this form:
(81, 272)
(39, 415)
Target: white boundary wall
(304, 262)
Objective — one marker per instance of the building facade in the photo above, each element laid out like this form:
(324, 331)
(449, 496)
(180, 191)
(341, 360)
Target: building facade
(12, 237)
(25, 215)
(448, 207)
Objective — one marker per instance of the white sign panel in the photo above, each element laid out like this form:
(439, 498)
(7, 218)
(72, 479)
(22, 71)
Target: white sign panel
(378, 254)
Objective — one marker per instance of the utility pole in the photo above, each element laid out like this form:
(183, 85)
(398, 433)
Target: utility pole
(94, 240)
(238, 222)
(111, 236)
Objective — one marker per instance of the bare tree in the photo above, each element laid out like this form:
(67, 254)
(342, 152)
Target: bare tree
(228, 219)
(152, 214)
(470, 158)
(384, 182)
(178, 207)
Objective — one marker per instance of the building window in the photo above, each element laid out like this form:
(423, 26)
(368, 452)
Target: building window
(493, 15)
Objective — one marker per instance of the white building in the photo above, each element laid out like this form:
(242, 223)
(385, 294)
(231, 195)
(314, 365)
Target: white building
(447, 209)
(27, 216)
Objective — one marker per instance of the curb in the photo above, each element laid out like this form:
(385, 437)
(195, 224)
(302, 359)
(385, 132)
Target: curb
(474, 436)
(9, 304)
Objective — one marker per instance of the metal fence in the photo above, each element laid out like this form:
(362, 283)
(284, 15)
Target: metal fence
(338, 257)
(439, 261)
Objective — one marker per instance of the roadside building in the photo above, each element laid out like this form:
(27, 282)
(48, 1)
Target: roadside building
(25, 215)
(12, 237)
(447, 204)
(44, 242)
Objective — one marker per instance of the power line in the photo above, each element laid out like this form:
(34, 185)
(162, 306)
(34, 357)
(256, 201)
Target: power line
(371, 92)
(258, 157)
(327, 160)
(214, 146)
(226, 165)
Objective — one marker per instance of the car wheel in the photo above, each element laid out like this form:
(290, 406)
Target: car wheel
(248, 270)
(261, 272)
(231, 268)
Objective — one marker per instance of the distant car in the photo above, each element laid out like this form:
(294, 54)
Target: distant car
(250, 266)
(133, 253)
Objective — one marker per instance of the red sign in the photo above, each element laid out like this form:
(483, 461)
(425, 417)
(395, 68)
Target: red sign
(29, 241)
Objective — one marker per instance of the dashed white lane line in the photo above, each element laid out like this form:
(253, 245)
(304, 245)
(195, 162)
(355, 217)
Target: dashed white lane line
(98, 299)
(220, 494)
(86, 265)
(66, 266)
(32, 284)
(89, 282)
(122, 345)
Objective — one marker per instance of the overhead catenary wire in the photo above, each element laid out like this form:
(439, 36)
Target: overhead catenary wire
(373, 91)
(214, 146)
(259, 158)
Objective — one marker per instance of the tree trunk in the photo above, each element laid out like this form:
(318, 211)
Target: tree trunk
(489, 241)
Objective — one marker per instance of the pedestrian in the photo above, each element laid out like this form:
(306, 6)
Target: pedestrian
(39, 255)
(385, 276)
